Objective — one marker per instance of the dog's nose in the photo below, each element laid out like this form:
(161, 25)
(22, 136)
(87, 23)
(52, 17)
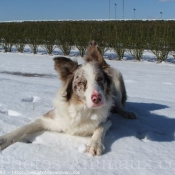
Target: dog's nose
(96, 98)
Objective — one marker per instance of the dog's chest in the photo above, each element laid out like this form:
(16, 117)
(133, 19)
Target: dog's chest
(83, 121)
(78, 119)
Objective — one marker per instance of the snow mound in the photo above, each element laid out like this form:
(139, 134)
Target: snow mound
(31, 99)
(2, 110)
(13, 113)
(82, 148)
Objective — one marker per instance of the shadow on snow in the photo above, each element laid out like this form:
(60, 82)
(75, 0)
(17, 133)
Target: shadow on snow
(148, 125)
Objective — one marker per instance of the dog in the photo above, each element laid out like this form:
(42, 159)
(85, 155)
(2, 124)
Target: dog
(89, 92)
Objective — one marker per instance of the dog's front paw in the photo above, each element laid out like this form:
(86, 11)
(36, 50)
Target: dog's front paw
(4, 142)
(128, 115)
(95, 148)
(131, 115)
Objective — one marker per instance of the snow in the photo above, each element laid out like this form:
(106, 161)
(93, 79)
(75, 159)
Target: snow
(82, 148)
(13, 113)
(133, 147)
(20, 21)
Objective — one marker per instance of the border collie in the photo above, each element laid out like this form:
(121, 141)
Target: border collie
(88, 93)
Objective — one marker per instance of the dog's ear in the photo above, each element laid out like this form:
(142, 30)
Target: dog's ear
(94, 54)
(65, 67)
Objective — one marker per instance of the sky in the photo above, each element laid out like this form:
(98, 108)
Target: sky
(11, 10)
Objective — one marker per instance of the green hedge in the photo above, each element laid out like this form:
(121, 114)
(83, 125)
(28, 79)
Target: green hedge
(135, 36)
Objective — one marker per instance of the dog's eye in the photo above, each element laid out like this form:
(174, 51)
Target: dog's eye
(99, 79)
(80, 83)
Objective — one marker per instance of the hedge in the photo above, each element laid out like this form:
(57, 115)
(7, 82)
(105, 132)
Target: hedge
(134, 36)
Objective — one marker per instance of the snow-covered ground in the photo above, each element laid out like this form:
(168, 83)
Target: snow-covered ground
(109, 54)
(28, 84)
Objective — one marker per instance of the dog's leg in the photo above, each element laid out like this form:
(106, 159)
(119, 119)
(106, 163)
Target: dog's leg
(126, 114)
(14, 136)
(96, 146)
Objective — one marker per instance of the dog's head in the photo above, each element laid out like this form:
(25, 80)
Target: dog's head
(89, 83)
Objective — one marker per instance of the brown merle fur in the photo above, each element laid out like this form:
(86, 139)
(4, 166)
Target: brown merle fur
(94, 55)
(75, 82)
(67, 68)
(66, 73)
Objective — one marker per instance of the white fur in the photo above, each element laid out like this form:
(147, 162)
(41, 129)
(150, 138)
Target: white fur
(90, 73)
(78, 119)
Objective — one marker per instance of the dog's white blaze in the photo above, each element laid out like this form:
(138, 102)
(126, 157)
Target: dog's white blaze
(92, 85)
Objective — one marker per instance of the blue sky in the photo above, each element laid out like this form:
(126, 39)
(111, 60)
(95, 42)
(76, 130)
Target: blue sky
(84, 9)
